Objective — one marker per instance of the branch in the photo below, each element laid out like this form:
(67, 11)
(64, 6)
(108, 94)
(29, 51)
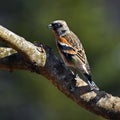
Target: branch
(4, 52)
(98, 102)
(27, 49)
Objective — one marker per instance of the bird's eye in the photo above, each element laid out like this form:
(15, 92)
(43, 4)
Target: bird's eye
(57, 25)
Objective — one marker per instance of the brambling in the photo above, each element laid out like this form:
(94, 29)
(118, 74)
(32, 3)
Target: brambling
(71, 50)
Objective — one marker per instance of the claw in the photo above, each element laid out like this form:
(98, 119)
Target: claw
(92, 85)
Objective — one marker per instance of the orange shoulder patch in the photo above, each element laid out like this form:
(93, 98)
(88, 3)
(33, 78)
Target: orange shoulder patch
(63, 40)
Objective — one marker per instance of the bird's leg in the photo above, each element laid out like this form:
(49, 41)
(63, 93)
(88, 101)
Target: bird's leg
(90, 82)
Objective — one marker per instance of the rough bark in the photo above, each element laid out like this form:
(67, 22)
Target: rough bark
(98, 102)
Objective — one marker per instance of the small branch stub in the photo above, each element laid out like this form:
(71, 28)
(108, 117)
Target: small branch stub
(4, 52)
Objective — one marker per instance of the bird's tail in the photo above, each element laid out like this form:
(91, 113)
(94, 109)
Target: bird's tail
(90, 82)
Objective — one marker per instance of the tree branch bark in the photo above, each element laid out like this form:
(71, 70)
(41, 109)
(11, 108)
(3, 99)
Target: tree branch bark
(35, 54)
(98, 102)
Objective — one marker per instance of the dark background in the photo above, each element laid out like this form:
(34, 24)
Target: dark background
(28, 96)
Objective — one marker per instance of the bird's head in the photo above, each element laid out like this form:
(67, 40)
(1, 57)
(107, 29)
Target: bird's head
(60, 27)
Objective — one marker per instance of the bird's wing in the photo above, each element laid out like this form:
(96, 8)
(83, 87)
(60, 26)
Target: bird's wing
(72, 45)
(65, 46)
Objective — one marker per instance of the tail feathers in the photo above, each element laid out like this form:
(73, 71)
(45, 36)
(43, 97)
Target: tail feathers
(90, 82)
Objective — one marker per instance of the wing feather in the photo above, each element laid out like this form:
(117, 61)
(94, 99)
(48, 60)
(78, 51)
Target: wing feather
(71, 45)
(76, 45)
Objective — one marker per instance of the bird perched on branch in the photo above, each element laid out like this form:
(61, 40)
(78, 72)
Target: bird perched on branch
(71, 50)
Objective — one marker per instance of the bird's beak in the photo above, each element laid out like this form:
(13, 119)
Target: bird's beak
(50, 26)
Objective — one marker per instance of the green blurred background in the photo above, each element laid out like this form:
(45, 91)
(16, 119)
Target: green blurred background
(28, 96)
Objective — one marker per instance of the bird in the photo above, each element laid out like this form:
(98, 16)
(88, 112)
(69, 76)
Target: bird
(71, 50)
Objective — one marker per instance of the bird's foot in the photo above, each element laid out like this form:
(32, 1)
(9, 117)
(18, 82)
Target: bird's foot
(92, 85)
